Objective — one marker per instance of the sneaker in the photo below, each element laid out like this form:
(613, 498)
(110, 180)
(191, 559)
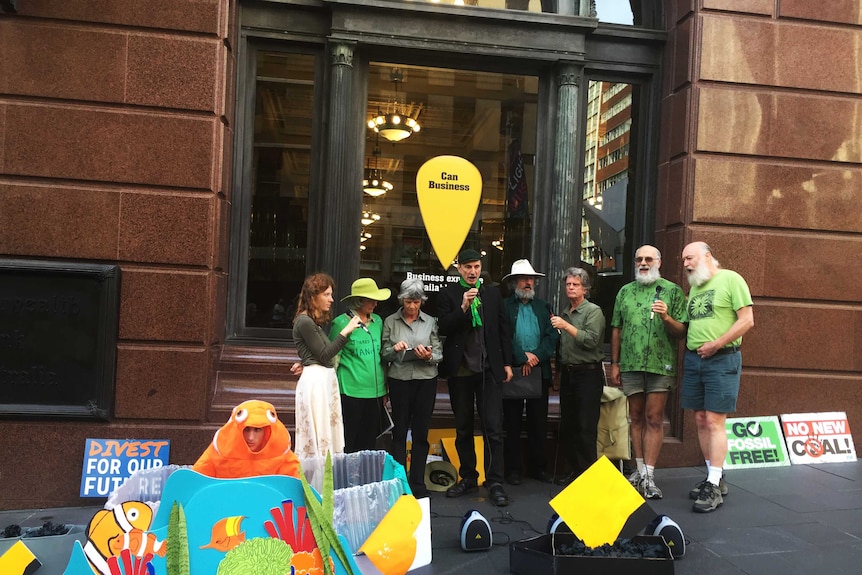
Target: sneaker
(649, 489)
(722, 488)
(635, 479)
(709, 499)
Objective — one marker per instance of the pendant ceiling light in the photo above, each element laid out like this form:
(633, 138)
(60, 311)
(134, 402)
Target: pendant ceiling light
(395, 125)
(369, 217)
(374, 185)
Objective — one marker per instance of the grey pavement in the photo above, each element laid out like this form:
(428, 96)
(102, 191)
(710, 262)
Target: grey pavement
(793, 520)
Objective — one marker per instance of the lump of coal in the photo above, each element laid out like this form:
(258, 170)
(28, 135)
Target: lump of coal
(620, 548)
(48, 528)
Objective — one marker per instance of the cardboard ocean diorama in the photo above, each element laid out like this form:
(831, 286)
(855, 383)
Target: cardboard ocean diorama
(264, 524)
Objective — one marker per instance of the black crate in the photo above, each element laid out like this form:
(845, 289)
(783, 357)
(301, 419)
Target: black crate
(536, 556)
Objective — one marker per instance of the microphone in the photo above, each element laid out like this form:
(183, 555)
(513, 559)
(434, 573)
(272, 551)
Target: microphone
(550, 311)
(362, 325)
(655, 299)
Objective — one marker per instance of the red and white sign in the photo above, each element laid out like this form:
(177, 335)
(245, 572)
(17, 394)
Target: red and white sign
(818, 437)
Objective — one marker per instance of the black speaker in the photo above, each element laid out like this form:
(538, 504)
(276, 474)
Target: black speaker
(475, 532)
(670, 531)
(557, 525)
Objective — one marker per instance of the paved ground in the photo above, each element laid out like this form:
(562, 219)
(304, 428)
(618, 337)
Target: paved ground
(787, 521)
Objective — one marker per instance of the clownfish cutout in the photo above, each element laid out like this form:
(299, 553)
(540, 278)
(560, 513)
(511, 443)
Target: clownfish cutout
(123, 527)
(227, 533)
(391, 547)
(230, 457)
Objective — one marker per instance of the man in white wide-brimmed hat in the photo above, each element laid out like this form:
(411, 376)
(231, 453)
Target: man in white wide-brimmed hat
(533, 344)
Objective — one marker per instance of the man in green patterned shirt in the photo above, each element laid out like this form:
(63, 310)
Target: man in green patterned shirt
(649, 317)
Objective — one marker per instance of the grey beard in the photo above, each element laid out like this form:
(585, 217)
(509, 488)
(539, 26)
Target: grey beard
(650, 278)
(699, 276)
(523, 294)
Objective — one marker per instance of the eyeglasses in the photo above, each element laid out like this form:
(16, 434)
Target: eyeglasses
(640, 259)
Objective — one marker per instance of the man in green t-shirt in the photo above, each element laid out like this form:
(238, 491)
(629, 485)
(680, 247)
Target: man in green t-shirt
(720, 313)
(649, 318)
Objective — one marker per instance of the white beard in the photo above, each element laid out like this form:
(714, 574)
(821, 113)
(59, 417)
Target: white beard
(650, 278)
(699, 275)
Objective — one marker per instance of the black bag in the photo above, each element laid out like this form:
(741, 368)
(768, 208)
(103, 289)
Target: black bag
(524, 386)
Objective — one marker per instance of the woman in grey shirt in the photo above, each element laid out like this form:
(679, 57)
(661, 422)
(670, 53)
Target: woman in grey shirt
(411, 344)
(319, 424)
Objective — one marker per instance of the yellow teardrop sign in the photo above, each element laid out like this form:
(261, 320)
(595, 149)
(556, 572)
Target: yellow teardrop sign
(449, 189)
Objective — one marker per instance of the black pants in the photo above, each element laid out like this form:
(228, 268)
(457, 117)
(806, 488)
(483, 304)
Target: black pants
(580, 403)
(361, 422)
(412, 405)
(489, 402)
(536, 426)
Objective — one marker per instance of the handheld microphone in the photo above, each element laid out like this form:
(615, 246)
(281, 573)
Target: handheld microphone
(362, 325)
(655, 299)
(550, 311)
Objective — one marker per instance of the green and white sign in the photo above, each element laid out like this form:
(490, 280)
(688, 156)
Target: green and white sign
(755, 442)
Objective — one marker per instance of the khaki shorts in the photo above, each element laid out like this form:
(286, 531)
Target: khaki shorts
(639, 381)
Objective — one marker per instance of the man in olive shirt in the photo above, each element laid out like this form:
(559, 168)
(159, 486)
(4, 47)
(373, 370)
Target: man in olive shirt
(582, 332)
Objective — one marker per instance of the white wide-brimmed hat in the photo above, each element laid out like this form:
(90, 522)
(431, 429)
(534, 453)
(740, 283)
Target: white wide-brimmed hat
(523, 268)
(440, 476)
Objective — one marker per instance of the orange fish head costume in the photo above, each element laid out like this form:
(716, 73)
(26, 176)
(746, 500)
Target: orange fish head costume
(228, 456)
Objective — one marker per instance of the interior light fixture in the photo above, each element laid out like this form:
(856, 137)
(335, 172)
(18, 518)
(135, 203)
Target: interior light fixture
(394, 125)
(374, 184)
(369, 217)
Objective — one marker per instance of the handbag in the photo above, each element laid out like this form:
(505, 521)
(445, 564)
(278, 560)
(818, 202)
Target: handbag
(613, 432)
(524, 386)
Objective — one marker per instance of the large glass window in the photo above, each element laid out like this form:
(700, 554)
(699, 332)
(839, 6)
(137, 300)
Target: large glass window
(609, 183)
(487, 118)
(280, 181)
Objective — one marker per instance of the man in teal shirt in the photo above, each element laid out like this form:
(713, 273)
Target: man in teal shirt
(649, 317)
(534, 342)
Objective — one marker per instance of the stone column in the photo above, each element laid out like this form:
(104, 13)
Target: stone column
(564, 235)
(338, 234)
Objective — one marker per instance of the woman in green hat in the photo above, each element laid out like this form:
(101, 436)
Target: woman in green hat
(361, 377)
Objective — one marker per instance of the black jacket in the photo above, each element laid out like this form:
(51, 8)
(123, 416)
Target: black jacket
(456, 324)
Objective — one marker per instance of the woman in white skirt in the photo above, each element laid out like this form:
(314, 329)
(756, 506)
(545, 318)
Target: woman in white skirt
(319, 424)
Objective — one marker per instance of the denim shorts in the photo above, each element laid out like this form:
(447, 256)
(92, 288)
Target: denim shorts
(641, 381)
(711, 384)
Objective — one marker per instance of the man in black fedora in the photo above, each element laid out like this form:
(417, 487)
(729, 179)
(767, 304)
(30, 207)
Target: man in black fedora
(477, 360)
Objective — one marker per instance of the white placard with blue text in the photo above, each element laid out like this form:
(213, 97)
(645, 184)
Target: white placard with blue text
(108, 462)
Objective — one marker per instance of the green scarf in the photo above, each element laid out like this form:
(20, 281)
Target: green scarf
(474, 306)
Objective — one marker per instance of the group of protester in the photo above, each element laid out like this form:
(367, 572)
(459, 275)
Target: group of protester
(487, 341)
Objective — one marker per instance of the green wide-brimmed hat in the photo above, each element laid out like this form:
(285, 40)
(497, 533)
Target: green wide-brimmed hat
(367, 288)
